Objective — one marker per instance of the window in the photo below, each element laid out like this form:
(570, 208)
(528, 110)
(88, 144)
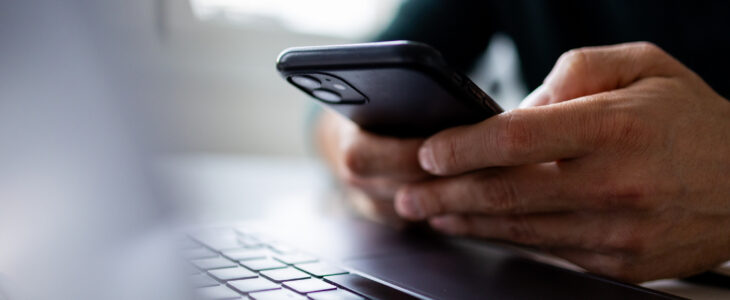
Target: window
(350, 19)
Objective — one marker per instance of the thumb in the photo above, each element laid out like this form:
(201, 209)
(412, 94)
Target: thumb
(538, 97)
(591, 70)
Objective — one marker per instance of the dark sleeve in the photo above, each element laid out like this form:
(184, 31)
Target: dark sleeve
(460, 30)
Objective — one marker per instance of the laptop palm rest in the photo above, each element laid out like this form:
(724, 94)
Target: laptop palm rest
(437, 267)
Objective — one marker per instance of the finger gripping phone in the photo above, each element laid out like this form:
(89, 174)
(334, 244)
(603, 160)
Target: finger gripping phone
(398, 88)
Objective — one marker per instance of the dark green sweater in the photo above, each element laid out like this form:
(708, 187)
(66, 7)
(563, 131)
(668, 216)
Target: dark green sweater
(695, 32)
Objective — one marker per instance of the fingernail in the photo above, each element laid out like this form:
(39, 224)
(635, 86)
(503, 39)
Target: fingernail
(425, 158)
(408, 206)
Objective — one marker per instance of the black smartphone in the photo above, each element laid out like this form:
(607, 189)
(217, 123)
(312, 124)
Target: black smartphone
(397, 88)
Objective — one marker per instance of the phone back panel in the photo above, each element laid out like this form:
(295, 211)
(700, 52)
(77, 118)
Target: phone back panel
(402, 101)
(408, 89)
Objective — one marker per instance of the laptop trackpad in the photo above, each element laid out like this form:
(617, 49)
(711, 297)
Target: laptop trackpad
(487, 274)
(435, 274)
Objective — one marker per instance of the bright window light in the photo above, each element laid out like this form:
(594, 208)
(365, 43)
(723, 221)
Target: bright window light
(351, 19)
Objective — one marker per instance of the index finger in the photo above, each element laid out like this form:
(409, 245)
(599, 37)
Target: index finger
(517, 137)
(368, 155)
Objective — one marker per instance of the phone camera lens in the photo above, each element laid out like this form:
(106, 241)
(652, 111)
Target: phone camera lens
(306, 81)
(327, 95)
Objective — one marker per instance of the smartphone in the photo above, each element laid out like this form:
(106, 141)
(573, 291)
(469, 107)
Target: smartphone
(397, 88)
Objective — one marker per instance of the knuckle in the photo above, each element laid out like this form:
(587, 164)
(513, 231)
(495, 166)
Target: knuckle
(521, 231)
(517, 139)
(631, 130)
(648, 48)
(631, 196)
(624, 126)
(353, 180)
(677, 87)
(432, 201)
(354, 159)
(575, 60)
(650, 51)
(630, 192)
(497, 195)
(660, 60)
(639, 197)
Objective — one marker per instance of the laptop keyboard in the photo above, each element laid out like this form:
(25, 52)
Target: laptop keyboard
(240, 264)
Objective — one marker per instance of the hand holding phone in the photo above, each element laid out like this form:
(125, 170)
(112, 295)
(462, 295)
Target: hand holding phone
(394, 93)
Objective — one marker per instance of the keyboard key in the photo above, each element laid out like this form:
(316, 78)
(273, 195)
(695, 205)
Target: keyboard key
(367, 287)
(282, 248)
(202, 280)
(232, 273)
(263, 264)
(220, 244)
(199, 253)
(246, 254)
(279, 294)
(320, 269)
(220, 292)
(217, 239)
(309, 285)
(280, 275)
(253, 285)
(338, 294)
(213, 263)
(249, 242)
(297, 258)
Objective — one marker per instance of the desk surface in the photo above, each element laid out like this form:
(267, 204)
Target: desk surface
(215, 188)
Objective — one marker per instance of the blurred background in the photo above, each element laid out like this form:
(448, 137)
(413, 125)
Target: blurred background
(218, 56)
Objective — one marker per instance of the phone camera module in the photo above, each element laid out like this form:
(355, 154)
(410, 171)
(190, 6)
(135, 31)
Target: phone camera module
(327, 95)
(308, 82)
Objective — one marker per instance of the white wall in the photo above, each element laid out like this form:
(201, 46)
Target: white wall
(228, 95)
(214, 86)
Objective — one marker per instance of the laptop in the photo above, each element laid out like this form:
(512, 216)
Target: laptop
(350, 258)
(82, 223)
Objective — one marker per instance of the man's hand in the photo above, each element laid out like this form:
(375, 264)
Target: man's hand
(620, 165)
(372, 167)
